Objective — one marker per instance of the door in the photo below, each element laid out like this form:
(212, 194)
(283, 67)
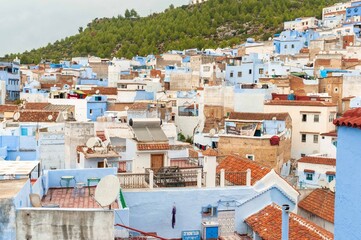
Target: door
(157, 161)
(100, 164)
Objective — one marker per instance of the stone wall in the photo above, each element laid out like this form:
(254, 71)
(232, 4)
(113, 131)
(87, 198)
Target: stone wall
(42, 223)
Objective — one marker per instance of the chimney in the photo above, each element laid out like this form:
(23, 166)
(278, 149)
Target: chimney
(285, 221)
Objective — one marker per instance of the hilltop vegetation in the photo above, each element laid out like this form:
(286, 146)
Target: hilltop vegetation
(208, 25)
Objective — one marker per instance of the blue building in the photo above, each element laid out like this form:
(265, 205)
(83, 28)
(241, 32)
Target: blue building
(348, 187)
(353, 11)
(9, 72)
(250, 69)
(291, 41)
(96, 81)
(96, 106)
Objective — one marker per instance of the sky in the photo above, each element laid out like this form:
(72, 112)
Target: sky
(28, 24)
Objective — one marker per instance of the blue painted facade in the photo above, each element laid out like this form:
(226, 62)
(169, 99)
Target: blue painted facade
(10, 73)
(249, 71)
(291, 41)
(353, 11)
(144, 95)
(98, 82)
(96, 106)
(151, 211)
(348, 187)
(23, 146)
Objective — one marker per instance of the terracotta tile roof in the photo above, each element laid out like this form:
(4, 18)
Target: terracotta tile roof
(309, 170)
(258, 116)
(330, 173)
(210, 152)
(301, 103)
(318, 160)
(156, 146)
(67, 199)
(234, 163)
(102, 91)
(267, 223)
(351, 118)
(347, 98)
(8, 108)
(330, 134)
(36, 105)
(38, 116)
(320, 202)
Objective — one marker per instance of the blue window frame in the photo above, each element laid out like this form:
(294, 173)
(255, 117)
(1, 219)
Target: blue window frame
(309, 176)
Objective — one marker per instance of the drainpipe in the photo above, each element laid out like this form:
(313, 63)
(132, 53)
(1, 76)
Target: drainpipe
(285, 221)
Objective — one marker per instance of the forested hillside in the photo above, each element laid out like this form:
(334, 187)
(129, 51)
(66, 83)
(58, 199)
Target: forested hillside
(208, 25)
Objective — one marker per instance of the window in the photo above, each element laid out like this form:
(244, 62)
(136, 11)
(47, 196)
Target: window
(315, 138)
(330, 178)
(285, 46)
(316, 118)
(309, 176)
(209, 211)
(250, 156)
(239, 74)
(336, 90)
(331, 117)
(98, 98)
(304, 117)
(250, 71)
(303, 155)
(231, 74)
(303, 137)
(292, 46)
(78, 157)
(91, 111)
(260, 71)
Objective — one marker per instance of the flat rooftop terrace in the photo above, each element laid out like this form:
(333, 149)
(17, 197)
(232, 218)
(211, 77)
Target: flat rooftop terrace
(71, 198)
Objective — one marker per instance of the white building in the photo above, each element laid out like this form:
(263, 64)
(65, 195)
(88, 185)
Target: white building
(302, 24)
(336, 9)
(309, 120)
(315, 172)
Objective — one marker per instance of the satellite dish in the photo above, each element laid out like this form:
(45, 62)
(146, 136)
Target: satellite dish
(332, 185)
(126, 108)
(66, 87)
(92, 142)
(323, 183)
(97, 91)
(65, 115)
(322, 68)
(50, 117)
(212, 132)
(16, 116)
(107, 190)
(222, 131)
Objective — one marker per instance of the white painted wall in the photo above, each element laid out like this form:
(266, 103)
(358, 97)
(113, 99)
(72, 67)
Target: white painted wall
(327, 147)
(320, 173)
(80, 107)
(309, 127)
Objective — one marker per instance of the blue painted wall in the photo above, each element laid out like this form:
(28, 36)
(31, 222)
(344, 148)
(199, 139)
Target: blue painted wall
(81, 175)
(96, 107)
(151, 210)
(348, 187)
(98, 82)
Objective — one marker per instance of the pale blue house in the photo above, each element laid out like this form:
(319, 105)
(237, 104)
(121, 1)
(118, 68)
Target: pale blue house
(9, 72)
(348, 187)
(96, 106)
(290, 42)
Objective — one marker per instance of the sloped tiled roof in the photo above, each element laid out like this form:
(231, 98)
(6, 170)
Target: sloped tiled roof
(102, 91)
(139, 106)
(267, 223)
(210, 152)
(153, 146)
(258, 116)
(351, 118)
(234, 163)
(36, 105)
(8, 108)
(318, 160)
(330, 134)
(320, 202)
(301, 103)
(38, 116)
